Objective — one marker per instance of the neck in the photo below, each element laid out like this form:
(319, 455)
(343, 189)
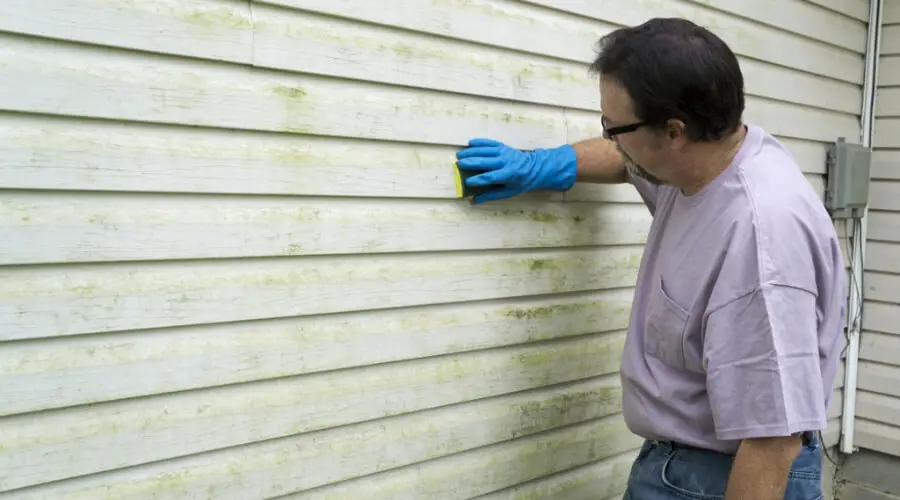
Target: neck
(711, 159)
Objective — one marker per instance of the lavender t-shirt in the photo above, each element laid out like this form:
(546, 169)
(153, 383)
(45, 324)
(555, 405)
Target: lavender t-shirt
(737, 323)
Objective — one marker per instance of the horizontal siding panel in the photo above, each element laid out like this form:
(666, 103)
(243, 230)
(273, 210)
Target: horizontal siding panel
(881, 287)
(460, 476)
(879, 347)
(887, 133)
(352, 50)
(888, 73)
(50, 301)
(548, 33)
(349, 49)
(87, 155)
(90, 82)
(151, 429)
(882, 256)
(800, 17)
(153, 89)
(877, 407)
(856, 9)
(786, 120)
(54, 228)
(887, 103)
(603, 479)
(878, 437)
(883, 195)
(890, 39)
(891, 12)
(95, 368)
(551, 32)
(747, 38)
(879, 378)
(881, 316)
(482, 471)
(809, 155)
(91, 155)
(210, 29)
(883, 226)
(885, 164)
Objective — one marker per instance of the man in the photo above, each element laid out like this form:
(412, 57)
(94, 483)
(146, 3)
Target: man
(737, 319)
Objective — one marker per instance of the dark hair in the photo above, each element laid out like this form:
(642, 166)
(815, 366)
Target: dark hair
(675, 69)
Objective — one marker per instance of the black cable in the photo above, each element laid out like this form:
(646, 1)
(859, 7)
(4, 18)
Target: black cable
(837, 462)
(855, 281)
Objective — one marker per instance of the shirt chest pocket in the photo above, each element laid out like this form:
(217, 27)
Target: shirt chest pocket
(664, 327)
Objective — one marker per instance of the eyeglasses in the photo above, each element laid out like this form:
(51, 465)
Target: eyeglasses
(609, 133)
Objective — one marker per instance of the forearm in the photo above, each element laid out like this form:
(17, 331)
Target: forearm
(761, 467)
(599, 161)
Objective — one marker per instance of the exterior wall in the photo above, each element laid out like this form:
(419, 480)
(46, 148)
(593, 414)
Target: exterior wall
(233, 266)
(877, 423)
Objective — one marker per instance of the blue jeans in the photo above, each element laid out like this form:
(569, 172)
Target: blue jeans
(664, 470)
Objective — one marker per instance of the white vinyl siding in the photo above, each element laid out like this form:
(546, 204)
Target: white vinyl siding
(232, 266)
(877, 422)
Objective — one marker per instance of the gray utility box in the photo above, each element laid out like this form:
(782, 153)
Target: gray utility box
(847, 191)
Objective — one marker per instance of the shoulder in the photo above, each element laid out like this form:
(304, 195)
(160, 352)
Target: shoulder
(785, 219)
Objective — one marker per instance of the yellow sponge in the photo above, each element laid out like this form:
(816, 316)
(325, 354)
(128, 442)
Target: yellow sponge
(464, 191)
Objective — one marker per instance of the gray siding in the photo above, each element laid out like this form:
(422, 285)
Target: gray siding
(878, 401)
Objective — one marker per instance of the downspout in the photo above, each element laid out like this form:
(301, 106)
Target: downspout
(867, 131)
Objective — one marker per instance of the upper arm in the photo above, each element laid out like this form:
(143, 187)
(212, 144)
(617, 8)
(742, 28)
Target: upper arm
(762, 364)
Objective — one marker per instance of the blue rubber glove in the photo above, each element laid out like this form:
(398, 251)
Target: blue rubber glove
(516, 171)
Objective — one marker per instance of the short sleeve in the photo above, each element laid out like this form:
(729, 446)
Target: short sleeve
(649, 192)
(762, 364)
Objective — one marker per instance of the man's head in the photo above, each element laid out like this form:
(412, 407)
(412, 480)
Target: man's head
(670, 90)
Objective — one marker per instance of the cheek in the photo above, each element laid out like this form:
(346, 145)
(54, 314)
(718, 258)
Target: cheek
(630, 150)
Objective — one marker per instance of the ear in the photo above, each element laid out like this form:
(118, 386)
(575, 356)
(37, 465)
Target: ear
(676, 133)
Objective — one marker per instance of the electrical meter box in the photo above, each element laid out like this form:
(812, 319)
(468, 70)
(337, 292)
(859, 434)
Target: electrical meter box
(847, 191)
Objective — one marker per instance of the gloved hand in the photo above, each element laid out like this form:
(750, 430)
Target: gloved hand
(516, 171)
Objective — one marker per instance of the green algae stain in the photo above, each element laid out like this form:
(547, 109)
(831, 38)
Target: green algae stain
(293, 250)
(540, 264)
(212, 18)
(540, 312)
(290, 93)
(543, 217)
(532, 215)
(295, 109)
(404, 49)
(298, 156)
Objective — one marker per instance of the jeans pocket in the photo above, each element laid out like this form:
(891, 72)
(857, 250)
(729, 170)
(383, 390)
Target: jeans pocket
(803, 486)
(695, 476)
